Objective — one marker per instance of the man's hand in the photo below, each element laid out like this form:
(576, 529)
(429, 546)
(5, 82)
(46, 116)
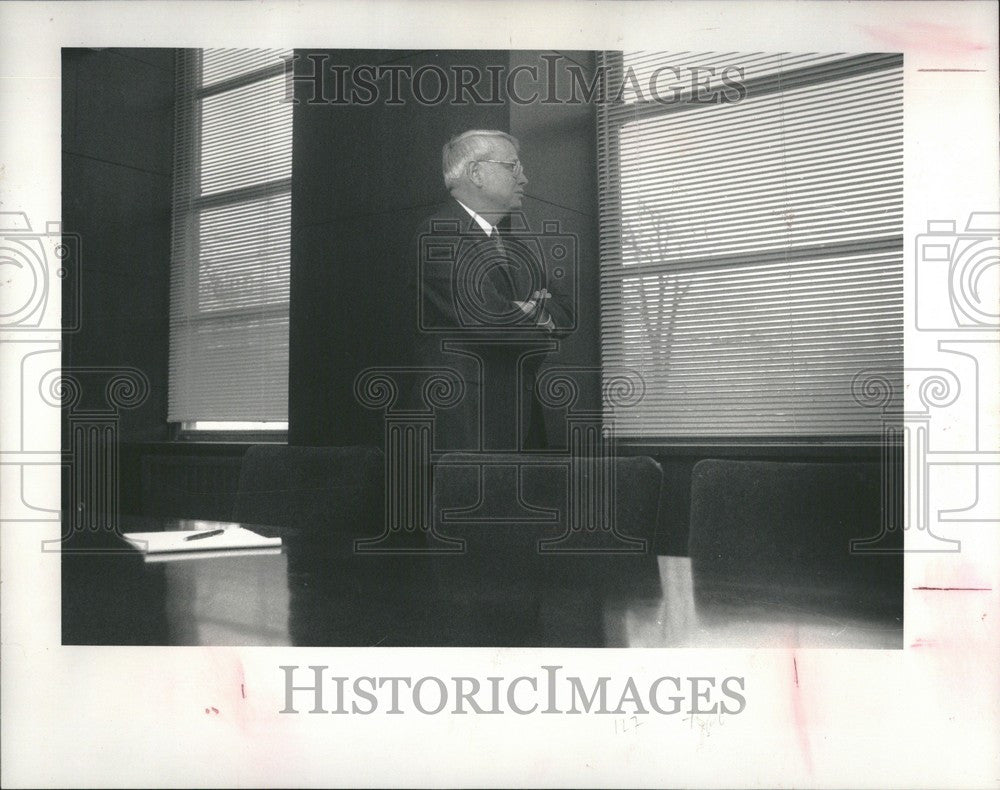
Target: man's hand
(537, 302)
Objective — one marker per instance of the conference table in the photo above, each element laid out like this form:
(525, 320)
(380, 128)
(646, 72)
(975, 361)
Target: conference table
(308, 594)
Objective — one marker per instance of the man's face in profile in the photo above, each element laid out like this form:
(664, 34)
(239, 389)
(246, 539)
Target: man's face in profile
(503, 184)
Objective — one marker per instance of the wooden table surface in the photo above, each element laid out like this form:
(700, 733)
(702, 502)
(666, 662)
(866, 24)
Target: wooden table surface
(307, 595)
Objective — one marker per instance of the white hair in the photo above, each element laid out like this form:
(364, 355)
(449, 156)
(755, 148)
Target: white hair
(470, 146)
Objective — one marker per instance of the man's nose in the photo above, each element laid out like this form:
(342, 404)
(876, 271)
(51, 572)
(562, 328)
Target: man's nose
(522, 179)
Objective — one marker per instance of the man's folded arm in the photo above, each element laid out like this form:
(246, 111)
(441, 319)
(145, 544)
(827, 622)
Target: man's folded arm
(560, 310)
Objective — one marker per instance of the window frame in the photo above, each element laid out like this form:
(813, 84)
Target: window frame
(194, 203)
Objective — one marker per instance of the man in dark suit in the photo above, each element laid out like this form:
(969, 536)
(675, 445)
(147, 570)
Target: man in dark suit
(484, 304)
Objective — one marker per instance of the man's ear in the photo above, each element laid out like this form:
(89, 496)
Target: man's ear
(474, 173)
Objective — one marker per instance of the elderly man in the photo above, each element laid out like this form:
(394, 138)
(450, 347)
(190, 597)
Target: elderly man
(485, 308)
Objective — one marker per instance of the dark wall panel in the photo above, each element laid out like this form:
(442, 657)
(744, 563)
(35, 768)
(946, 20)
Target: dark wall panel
(117, 160)
(363, 178)
(559, 153)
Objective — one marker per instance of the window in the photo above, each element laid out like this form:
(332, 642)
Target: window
(751, 245)
(231, 240)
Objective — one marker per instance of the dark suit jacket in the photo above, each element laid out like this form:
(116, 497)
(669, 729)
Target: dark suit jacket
(467, 320)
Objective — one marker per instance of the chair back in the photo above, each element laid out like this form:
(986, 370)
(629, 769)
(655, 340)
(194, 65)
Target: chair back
(531, 521)
(780, 533)
(335, 491)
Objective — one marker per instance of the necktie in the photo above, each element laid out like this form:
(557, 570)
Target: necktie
(506, 288)
(498, 242)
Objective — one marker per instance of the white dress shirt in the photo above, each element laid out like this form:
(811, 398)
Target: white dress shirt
(487, 228)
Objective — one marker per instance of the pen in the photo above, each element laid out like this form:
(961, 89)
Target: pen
(208, 534)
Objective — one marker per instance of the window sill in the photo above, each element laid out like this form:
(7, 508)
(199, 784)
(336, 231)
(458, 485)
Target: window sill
(810, 448)
(234, 437)
(210, 444)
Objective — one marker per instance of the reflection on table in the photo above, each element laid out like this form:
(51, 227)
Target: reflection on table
(675, 619)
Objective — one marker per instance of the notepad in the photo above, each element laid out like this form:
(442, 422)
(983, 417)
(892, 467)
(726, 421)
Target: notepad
(230, 539)
(180, 556)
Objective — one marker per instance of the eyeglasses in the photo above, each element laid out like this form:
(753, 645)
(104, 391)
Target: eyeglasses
(515, 167)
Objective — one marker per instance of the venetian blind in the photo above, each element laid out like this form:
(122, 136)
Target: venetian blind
(231, 238)
(751, 249)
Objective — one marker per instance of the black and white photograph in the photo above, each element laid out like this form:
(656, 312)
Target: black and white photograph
(629, 384)
(511, 348)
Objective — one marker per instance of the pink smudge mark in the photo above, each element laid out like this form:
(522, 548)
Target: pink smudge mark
(925, 37)
(241, 712)
(799, 717)
(921, 642)
(212, 711)
(230, 679)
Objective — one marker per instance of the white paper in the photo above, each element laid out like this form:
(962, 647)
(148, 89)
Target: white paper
(177, 541)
